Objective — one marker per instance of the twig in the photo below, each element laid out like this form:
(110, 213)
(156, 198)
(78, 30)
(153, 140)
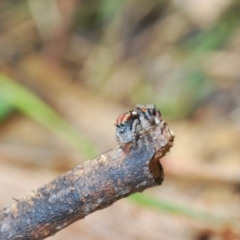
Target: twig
(89, 187)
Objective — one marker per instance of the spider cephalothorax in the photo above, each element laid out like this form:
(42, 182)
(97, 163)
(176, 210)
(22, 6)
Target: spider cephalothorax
(148, 114)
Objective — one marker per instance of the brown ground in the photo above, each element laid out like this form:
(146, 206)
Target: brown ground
(89, 84)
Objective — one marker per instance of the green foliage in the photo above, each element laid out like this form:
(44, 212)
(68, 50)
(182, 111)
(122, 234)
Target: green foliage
(13, 95)
(5, 108)
(174, 208)
(206, 40)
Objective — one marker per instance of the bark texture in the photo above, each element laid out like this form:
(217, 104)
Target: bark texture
(89, 187)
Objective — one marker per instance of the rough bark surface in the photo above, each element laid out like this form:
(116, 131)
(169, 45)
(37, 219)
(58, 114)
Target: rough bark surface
(89, 187)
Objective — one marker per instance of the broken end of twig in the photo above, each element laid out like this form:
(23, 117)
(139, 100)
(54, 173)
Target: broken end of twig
(163, 138)
(158, 140)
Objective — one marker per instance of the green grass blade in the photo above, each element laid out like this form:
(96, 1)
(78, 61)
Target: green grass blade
(5, 109)
(173, 208)
(28, 103)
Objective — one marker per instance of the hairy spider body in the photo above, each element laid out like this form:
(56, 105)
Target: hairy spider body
(127, 125)
(131, 124)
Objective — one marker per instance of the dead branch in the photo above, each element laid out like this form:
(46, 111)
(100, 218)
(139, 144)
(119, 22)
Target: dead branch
(89, 187)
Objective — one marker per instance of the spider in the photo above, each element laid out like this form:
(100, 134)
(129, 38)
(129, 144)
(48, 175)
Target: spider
(129, 125)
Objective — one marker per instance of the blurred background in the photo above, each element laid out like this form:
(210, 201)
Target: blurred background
(69, 68)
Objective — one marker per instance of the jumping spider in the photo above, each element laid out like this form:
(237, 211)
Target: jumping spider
(129, 125)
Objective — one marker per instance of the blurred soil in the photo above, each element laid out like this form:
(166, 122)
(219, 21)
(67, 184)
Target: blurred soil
(89, 84)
